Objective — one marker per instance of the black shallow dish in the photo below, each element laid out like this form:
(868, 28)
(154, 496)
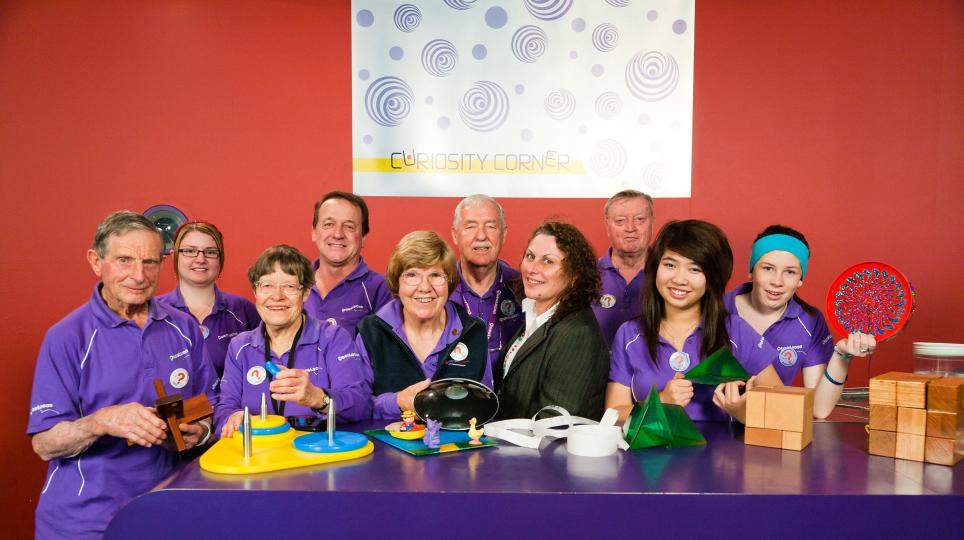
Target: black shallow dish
(455, 401)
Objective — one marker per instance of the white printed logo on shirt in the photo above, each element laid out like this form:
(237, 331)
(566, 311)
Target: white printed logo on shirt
(256, 375)
(179, 378)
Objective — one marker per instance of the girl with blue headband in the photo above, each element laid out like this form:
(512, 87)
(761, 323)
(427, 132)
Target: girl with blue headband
(683, 321)
(769, 303)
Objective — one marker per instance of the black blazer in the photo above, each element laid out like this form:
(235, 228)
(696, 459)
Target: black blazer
(565, 363)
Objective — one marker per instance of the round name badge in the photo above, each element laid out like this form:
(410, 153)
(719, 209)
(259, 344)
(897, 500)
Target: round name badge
(256, 375)
(788, 356)
(607, 301)
(331, 321)
(460, 352)
(205, 331)
(507, 307)
(179, 378)
(679, 361)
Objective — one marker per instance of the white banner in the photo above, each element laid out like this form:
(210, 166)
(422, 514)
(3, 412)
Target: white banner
(531, 98)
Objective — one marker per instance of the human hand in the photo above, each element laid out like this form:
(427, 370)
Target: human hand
(232, 423)
(193, 433)
(406, 398)
(678, 391)
(295, 385)
(131, 421)
(727, 397)
(857, 344)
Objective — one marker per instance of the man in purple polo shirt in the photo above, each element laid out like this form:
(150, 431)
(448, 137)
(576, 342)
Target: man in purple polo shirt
(485, 284)
(345, 289)
(93, 386)
(629, 226)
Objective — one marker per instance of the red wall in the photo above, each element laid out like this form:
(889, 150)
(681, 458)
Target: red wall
(842, 119)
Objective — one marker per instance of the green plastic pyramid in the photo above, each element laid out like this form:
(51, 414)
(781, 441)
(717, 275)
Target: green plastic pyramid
(655, 424)
(719, 367)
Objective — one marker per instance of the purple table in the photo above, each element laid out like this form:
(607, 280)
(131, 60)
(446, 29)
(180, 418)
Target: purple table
(832, 489)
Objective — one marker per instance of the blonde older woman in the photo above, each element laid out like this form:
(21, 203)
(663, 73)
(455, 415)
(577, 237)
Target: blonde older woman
(420, 336)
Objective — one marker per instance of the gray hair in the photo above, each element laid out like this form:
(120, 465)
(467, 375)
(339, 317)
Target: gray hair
(475, 200)
(119, 223)
(627, 194)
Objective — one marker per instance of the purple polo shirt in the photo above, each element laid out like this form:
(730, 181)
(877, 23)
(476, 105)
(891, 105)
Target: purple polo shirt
(360, 294)
(385, 405)
(801, 339)
(497, 308)
(632, 365)
(326, 352)
(619, 301)
(230, 316)
(93, 359)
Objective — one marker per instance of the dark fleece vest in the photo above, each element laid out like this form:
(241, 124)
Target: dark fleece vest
(396, 367)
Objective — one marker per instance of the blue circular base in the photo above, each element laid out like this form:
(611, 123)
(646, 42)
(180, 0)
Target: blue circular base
(345, 441)
(266, 431)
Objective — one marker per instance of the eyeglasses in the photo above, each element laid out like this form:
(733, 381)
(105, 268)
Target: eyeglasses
(413, 279)
(209, 253)
(266, 289)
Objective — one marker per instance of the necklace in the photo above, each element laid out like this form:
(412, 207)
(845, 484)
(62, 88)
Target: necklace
(675, 340)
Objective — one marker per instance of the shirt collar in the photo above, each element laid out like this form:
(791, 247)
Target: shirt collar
(498, 282)
(106, 316)
(533, 322)
(219, 301)
(311, 333)
(606, 261)
(360, 271)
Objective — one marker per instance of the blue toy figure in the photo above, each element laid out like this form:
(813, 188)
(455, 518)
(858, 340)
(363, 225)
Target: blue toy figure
(431, 437)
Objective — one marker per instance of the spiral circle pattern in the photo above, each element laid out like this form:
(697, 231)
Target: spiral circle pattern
(560, 104)
(439, 57)
(484, 106)
(407, 17)
(548, 10)
(460, 4)
(608, 158)
(388, 101)
(605, 37)
(653, 176)
(528, 43)
(871, 301)
(652, 75)
(608, 104)
(619, 3)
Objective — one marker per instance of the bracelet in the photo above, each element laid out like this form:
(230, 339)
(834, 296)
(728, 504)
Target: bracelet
(843, 355)
(826, 373)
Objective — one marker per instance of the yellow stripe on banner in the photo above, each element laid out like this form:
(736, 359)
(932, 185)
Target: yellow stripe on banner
(464, 163)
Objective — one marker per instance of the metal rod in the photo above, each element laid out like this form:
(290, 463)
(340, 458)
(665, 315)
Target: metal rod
(264, 408)
(246, 421)
(331, 421)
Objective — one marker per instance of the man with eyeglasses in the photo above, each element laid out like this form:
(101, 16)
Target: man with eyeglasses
(345, 289)
(485, 281)
(90, 410)
(629, 226)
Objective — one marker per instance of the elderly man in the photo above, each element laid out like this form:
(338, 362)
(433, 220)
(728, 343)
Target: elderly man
(93, 386)
(629, 226)
(345, 289)
(485, 284)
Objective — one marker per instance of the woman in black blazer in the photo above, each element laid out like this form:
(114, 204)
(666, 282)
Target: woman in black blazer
(560, 356)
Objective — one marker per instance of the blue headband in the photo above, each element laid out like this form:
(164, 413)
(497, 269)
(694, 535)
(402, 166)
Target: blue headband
(780, 242)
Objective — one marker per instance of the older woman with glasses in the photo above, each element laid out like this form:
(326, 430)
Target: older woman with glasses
(318, 362)
(198, 261)
(420, 336)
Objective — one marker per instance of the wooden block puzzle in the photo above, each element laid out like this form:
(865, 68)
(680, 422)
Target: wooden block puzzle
(943, 451)
(779, 417)
(772, 438)
(917, 417)
(912, 421)
(883, 443)
(946, 394)
(883, 417)
(942, 424)
(909, 446)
